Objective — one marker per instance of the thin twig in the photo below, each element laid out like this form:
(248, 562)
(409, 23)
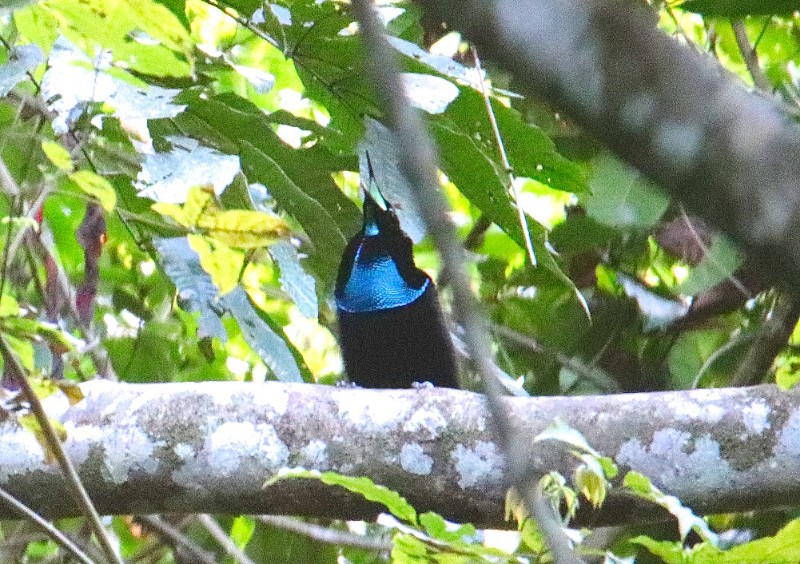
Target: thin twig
(223, 539)
(325, 534)
(74, 483)
(750, 56)
(416, 155)
(46, 527)
(177, 538)
(594, 374)
(473, 239)
(770, 339)
(501, 148)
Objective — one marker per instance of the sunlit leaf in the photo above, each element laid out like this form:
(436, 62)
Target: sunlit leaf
(242, 531)
(295, 281)
(222, 263)
(71, 81)
(97, 187)
(143, 34)
(168, 177)
(58, 155)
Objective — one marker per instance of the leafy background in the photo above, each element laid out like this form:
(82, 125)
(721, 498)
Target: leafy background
(190, 169)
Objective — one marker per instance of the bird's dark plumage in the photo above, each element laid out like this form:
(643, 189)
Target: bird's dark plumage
(390, 323)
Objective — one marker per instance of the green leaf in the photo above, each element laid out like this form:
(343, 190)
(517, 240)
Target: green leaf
(621, 197)
(196, 290)
(782, 548)
(687, 520)
(97, 187)
(299, 180)
(739, 8)
(393, 501)
(58, 155)
(295, 281)
(265, 338)
(242, 531)
(143, 34)
(719, 263)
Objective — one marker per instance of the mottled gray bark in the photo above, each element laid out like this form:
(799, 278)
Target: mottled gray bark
(208, 448)
(730, 154)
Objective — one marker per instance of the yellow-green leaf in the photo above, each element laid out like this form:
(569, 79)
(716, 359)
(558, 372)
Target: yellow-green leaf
(8, 306)
(245, 229)
(58, 155)
(221, 262)
(199, 201)
(97, 186)
(171, 210)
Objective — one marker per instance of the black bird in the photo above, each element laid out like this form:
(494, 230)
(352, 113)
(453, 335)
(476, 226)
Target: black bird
(391, 328)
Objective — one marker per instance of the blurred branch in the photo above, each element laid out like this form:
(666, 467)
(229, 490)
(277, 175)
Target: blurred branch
(772, 336)
(750, 56)
(417, 158)
(728, 153)
(325, 534)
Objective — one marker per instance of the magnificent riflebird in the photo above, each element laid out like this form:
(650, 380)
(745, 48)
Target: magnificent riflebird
(391, 328)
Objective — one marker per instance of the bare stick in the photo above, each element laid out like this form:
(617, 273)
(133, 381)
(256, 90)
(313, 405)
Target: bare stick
(47, 528)
(523, 220)
(325, 534)
(750, 56)
(223, 539)
(70, 474)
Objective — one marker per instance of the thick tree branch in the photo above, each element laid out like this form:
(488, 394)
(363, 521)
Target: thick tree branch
(208, 448)
(728, 153)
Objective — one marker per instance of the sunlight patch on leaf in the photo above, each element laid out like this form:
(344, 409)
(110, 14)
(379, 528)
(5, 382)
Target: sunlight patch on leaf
(58, 155)
(295, 281)
(168, 177)
(71, 81)
(429, 93)
(22, 60)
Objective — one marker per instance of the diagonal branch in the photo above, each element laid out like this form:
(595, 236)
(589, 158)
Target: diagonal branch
(728, 153)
